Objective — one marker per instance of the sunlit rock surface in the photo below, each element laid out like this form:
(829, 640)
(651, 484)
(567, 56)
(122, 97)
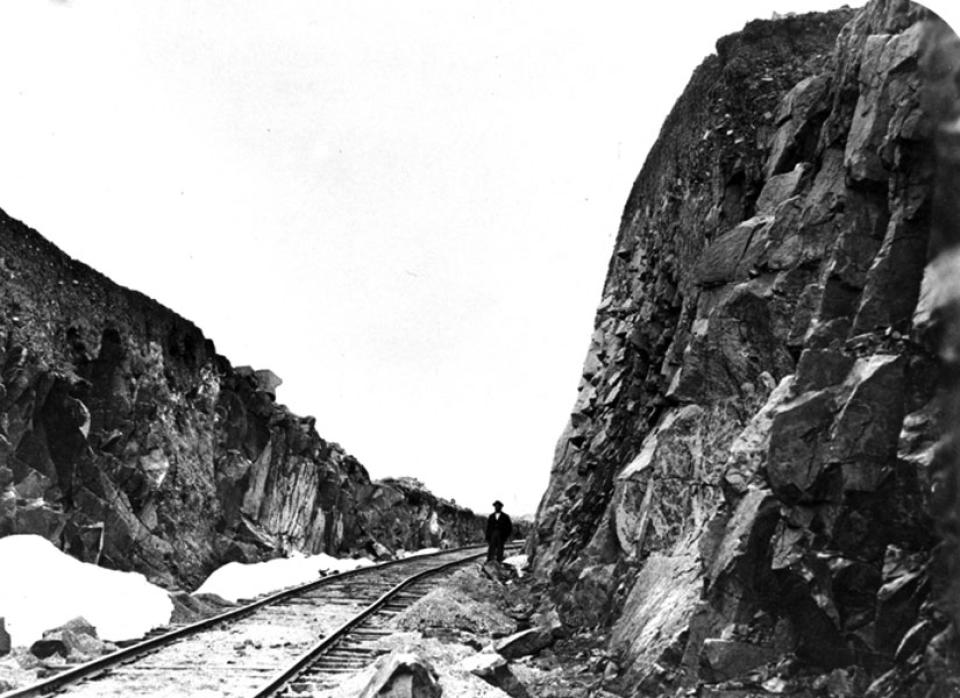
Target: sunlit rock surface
(126, 440)
(748, 468)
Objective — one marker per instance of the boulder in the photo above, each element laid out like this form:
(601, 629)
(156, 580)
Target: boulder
(659, 608)
(64, 643)
(483, 664)
(76, 637)
(493, 668)
(403, 675)
(189, 608)
(79, 625)
(726, 659)
(524, 643)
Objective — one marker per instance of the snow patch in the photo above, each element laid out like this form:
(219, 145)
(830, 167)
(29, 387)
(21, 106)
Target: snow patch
(520, 562)
(237, 580)
(42, 588)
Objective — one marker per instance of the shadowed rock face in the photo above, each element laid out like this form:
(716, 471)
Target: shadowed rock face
(747, 471)
(127, 440)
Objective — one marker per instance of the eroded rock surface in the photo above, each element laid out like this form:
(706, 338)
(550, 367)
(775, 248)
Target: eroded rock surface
(748, 473)
(128, 441)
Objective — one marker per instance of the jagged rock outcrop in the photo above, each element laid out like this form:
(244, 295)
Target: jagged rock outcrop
(127, 440)
(429, 521)
(748, 471)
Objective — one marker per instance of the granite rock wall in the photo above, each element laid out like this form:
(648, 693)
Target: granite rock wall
(128, 441)
(747, 490)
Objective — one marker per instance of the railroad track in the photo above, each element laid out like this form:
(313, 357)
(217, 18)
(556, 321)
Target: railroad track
(297, 642)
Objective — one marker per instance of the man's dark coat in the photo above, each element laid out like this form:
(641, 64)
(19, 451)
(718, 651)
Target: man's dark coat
(498, 532)
(501, 528)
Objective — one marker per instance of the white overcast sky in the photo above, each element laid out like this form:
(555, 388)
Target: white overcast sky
(404, 209)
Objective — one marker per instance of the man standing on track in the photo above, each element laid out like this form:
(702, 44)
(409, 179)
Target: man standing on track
(499, 528)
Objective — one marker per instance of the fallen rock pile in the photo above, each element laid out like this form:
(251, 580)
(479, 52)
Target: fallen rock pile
(470, 607)
(488, 619)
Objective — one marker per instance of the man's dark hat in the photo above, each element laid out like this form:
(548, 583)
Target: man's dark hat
(498, 503)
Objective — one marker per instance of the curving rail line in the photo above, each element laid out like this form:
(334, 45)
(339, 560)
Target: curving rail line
(269, 647)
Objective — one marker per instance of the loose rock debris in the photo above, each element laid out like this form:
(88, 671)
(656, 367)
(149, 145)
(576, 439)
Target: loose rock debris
(459, 627)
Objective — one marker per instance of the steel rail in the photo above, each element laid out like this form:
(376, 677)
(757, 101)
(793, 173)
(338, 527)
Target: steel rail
(82, 671)
(303, 662)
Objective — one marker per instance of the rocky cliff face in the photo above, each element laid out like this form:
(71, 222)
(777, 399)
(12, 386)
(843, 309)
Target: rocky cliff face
(127, 440)
(749, 471)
